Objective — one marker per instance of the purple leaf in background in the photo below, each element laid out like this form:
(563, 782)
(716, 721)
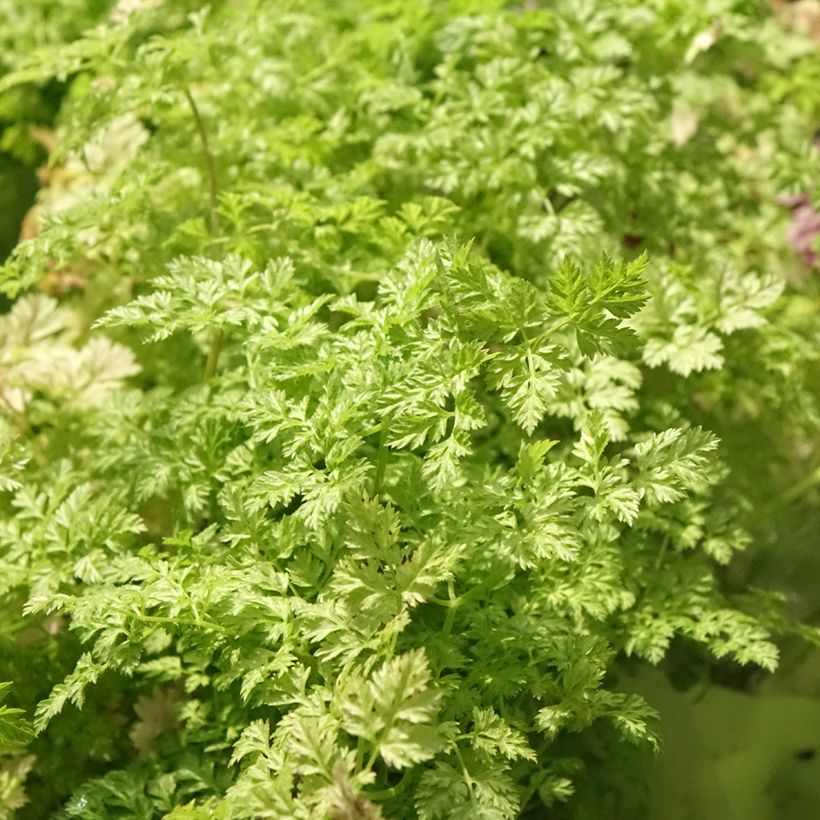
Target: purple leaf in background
(804, 227)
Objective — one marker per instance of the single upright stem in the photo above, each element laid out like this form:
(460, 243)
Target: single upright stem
(217, 335)
(381, 458)
(210, 165)
(454, 602)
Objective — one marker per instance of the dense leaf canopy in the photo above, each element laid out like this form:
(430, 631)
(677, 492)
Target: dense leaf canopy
(371, 389)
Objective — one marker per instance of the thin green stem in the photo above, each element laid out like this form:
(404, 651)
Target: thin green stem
(560, 325)
(802, 487)
(371, 761)
(444, 601)
(381, 457)
(466, 772)
(661, 554)
(528, 793)
(393, 791)
(160, 619)
(449, 618)
(210, 164)
(455, 602)
(217, 337)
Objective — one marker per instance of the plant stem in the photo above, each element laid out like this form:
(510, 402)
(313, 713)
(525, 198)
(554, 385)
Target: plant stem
(210, 165)
(802, 487)
(454, 603)
(466, 772)
(381, 458)
(217, 334)
(392, 791)
(160, 619)
(215, 348)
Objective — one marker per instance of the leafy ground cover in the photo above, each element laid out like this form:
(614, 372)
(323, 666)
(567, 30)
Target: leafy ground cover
(384, 385)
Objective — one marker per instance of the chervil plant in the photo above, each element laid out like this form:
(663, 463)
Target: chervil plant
(381, 378)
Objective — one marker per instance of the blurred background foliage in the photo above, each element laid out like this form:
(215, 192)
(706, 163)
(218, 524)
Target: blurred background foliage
(27, 112)
(739, 745)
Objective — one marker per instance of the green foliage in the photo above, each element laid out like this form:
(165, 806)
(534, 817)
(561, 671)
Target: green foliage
(14, 731)
(389, 403)
(27, 112)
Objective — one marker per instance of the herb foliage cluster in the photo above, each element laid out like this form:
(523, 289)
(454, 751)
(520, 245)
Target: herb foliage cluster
(373, 391)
